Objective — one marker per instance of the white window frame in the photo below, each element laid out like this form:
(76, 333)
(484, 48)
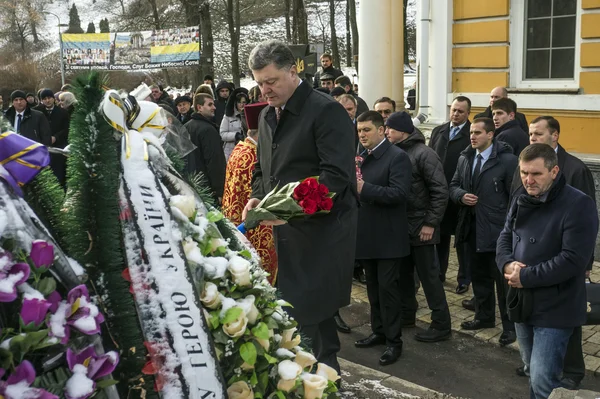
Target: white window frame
(517, 52)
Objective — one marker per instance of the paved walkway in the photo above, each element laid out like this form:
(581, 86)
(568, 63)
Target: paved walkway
(591, 334)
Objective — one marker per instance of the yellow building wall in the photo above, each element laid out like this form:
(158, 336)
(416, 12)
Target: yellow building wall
(477, 45)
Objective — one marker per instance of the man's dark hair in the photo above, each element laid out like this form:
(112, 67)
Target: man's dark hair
(552, 123)
(464, 99)
(327, 55)
(505, 104)
(200, 99)
(343, 81)
(347, 97)
(372, 116)
(386, 100)
(271, 52)
(539, 150)
(488, 124)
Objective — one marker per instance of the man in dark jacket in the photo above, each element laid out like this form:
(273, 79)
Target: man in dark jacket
(546, 129)
(448, 141)
(426, 205)
(161, 97)
(507, 128)
(326, 67)
(481, 187)
(184, 109)
(547, 241)
(305, 133)
(221, 95)
(345, 83)
(208, 158)
(26, 121)
(382, 232)
(496, 94)
(58, 118)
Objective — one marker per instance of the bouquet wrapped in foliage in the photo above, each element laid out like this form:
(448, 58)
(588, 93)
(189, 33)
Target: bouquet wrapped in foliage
(302, 198)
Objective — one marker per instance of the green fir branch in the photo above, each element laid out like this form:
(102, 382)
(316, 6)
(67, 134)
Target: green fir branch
(200, 185)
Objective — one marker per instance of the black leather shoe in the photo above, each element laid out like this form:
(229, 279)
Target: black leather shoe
(469, 304)
(507, 338)
(408, 323)
(433, 335)
(341, 324)
(570, 383)
(370, 341)
(390, 355)
(521, 372)
(476, 324)
(462, 288)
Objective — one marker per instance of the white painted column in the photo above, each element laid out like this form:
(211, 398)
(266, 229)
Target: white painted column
(440, 60)
(397, 53)
(375, 49)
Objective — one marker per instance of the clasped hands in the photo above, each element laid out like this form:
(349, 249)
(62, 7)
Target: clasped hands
(512, 273)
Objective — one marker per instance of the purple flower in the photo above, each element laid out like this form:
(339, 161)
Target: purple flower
(54, 298)
(34, 311)
(87, 367)
(11, 275)
(42, 254)
(77, 312)
(17, 386)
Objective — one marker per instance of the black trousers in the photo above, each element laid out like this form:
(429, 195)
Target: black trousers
(464, 262)
(485, 275)
(384, 297)
(324, 341)
(574, 366)
(422, 258)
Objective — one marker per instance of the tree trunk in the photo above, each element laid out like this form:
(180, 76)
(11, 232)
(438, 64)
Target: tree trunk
(157, 26)
(334, 43)
(192, 18)
(32, 14)
(288, 31)
(206, 61)
(406, 60)
(300, 22)
(354, 26)
(233, 21)
(348, 37)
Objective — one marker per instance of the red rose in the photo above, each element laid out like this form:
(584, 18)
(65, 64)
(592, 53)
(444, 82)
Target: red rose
(308, 206)
(300, 192)
(311, 182)
(326, 204)
(323, 190)
(315, 196)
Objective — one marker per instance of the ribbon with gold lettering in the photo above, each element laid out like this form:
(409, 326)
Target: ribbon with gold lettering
(21, 159)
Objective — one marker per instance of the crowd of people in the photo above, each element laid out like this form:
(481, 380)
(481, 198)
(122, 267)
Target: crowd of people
(520, 208)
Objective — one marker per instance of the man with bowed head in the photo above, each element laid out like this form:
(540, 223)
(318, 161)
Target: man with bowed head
(304, 133)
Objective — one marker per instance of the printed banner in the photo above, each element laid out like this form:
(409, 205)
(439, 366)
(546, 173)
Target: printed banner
(153, 49)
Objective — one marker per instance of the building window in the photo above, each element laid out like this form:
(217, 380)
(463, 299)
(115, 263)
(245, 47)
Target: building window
(550, 39)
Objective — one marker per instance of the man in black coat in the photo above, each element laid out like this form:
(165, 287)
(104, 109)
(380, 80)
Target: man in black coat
(326, 68)
(306, 133)
(481, 187)
(26, 121)
(426, 205)
(448, 141)
(59, 119)
(345, 83)
(184, 109)
(508, 129)
(221, 95)
(496, 94)
(382, 238)
(161, 97)
(208, 157)
(546, 129)
(547, 241)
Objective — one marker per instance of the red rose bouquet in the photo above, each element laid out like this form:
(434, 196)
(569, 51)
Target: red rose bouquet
(305, 197)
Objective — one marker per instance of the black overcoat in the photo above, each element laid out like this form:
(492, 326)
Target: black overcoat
(314, 137)
(382, 221)
(449, 152)
(34, 126)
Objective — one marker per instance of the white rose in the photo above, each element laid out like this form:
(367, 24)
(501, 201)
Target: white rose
(215, 243)
(210, 296)
(264, 343)
(247, 304)
(288, 372)
(305, 359)
(246, 367)
(240, 271)
(240, 390)
(192, 251)
(314, 386)
(287, 339)
(328, 372)
(236, 328)
(185, 203)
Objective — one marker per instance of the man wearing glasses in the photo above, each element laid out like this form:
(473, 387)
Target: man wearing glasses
(385, 106)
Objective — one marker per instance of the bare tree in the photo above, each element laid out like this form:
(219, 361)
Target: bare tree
(334, 44)
(300, 30)
(348, 37)
(288, 31)
(207, 58)
(354, 26)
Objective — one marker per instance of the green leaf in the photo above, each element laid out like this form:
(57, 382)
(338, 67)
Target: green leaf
(106, 383)
(263, 380)
(246, 254)
(53, 381)
(248, 353)
(280, 395)
(254, 379)
(271, 359)
(214, 319)
(220, 337)
(6, 358)
(261, 331)
(46, 286)
(271, 323)
(35, 338)
(232, 315)
(214, 216)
